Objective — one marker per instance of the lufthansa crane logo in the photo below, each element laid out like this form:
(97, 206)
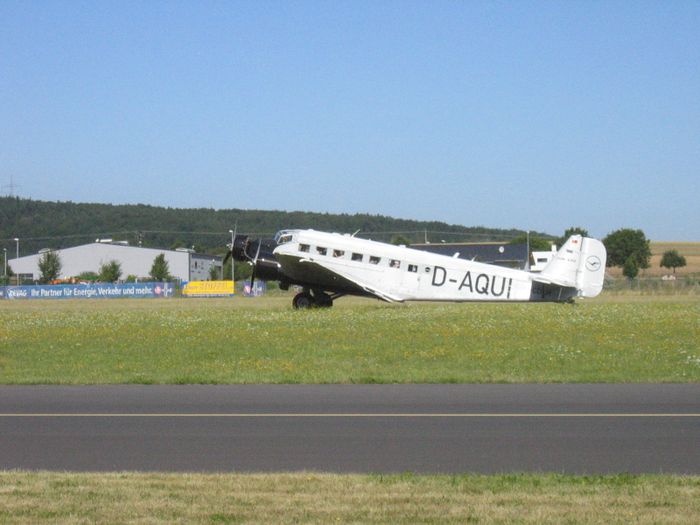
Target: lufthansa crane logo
(593, 263)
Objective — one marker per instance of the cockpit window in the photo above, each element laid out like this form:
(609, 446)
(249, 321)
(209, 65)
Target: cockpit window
(283, 237)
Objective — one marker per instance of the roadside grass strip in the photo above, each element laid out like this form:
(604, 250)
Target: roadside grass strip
(41, 497)
(263, 340)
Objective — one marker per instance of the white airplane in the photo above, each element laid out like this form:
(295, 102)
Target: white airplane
(330, 265)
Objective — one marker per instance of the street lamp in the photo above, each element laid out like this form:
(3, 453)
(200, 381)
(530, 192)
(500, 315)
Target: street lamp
(17, 271)
(4, 275)
(233, 239)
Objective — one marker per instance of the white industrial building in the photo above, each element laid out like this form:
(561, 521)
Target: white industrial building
(542, 259)
(183, 264)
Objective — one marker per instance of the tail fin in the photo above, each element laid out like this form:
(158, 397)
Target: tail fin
(579, 264)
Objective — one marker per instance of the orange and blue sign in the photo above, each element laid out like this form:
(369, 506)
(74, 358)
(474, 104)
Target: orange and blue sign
(208, 289)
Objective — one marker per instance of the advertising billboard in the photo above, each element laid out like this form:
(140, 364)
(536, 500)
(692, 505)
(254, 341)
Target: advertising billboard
(208, 289)
(89, 291)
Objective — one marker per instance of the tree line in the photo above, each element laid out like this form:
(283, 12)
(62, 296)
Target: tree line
(54, 225)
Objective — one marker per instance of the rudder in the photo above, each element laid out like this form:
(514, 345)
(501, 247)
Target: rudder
(579, 264)
(591, 270)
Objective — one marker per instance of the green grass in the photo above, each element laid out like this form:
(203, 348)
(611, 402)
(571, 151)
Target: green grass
(325, 498)
(623, 339)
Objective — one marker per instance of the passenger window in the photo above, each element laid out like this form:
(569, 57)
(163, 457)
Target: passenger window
(374, 259)
(394, 264)
(304, 248)
(357, 257)
(338, 253)
(412, 268)
(321, 251)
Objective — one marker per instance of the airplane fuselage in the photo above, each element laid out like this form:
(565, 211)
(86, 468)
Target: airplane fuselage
(395, 273)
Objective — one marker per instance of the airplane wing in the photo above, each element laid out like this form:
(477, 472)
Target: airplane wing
(372, 290)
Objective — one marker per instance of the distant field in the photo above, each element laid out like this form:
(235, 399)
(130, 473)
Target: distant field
(628, 338)
(325, 498)
(690, 250)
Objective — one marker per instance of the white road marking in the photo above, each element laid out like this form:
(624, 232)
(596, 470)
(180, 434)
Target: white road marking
(356, 415)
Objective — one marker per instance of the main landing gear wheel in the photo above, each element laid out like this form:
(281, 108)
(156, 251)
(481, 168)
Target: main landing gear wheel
(323, 300)
(306, 300)
(303, 300)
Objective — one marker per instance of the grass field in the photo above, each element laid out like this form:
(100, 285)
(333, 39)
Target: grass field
(323, 498)
(629, 338)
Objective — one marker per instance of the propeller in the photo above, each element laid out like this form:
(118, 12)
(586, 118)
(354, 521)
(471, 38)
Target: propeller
(255, 263)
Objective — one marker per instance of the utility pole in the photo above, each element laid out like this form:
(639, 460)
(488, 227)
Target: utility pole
(11, 187)
(17, 271)
(5, 273)
(527, 264)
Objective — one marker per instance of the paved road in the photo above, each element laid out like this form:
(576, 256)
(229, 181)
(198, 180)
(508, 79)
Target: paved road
(348, 428)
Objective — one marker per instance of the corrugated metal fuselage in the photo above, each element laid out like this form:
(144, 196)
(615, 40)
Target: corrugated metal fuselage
(344, 264)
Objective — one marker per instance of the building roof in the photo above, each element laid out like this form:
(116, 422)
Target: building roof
(133, 259)
(503, 254)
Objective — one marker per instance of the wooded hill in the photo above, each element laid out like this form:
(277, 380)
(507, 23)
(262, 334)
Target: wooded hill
(42, 224)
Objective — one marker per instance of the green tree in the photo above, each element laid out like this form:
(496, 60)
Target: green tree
(573, 230)
(672, 259)
(49, 266)
(110, 271)
(88, 276)
(625, 243)
(160, 271)
(214, 273)
(537, 244)
(398, 240)
(5, 280)
(630, 269)
(243, 270)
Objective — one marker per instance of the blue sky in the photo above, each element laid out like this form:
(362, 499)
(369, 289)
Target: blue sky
(535, 115)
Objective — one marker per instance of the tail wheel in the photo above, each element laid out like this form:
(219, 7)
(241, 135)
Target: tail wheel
(303, 300)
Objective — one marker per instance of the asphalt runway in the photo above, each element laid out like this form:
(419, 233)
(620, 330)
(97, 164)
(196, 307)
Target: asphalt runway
(582, 429)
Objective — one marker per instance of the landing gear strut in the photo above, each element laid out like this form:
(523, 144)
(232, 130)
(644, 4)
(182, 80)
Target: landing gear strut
(312, 299)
